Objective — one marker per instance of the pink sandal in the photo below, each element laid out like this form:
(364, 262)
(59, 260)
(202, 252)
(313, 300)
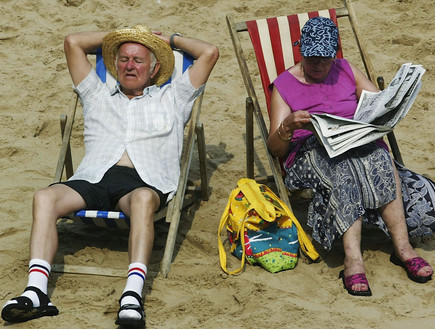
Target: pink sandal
(412, 266)
(349, 281)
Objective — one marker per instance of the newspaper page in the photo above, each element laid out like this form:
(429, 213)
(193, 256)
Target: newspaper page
(345, 133)
(376, 115)
(373, 105)
(331, 125)
(392, 118)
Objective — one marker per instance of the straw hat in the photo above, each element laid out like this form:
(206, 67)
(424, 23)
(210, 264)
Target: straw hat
(139, 34)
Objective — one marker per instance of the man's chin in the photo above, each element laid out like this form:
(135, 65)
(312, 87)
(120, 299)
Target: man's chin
(128, 79)
(129, 83)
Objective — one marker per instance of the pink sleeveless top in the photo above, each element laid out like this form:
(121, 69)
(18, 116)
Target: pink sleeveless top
(335, 95)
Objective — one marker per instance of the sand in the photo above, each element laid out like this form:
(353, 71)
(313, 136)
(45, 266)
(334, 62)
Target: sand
(36, 89)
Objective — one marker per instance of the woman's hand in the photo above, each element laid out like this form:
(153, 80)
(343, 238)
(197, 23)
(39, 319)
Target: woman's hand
(296, 120)
(283, 122)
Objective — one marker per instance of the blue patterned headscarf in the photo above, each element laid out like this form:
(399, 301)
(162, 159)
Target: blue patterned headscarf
(319, 37)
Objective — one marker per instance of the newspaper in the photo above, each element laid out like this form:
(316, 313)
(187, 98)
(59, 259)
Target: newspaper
(376, 115)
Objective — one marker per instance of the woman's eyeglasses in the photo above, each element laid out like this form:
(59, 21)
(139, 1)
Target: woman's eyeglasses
(319, 60)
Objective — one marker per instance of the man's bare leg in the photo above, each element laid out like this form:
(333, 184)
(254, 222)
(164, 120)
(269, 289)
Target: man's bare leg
(140, 205)
(48, 205)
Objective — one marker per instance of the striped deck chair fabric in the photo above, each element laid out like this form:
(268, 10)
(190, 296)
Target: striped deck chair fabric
(117, 219)
(276, 45)
(276, 48)
(275, 41)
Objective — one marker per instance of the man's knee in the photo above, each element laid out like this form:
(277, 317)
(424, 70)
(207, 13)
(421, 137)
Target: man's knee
(43, 196)
(57, 199)
(146, 197)
(143, 195)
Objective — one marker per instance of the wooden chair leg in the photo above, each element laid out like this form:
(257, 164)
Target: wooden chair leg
(66, 138)
(200, 139)
(170, 240)
(395, 147)
(69, 171)
(249, 138)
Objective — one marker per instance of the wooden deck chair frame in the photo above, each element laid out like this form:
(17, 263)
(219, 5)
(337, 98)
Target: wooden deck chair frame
(172, 212)
(253, 106)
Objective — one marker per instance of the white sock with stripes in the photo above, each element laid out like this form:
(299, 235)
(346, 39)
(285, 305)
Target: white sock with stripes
(137, 273)
(39, 271)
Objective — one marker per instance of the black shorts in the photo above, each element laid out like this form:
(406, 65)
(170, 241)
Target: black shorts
(116, 182)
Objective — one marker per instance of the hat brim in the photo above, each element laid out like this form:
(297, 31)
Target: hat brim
(141, 35)
(319, 51)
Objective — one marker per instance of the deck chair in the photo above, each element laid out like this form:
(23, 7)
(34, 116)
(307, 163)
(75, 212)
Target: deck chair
(273, 41)
(172, 211)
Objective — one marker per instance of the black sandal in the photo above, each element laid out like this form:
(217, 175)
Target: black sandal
(23, 309)
(138, 308)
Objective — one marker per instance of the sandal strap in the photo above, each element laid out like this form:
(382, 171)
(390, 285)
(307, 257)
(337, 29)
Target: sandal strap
(132, 294)
(43, 298)
(134, 307)
(415, 264)
(23, 300)
(359, 278)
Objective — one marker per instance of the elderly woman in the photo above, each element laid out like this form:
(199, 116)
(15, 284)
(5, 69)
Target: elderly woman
(361, 185)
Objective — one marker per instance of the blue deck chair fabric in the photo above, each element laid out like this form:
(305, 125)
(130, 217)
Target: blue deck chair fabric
(115, 219)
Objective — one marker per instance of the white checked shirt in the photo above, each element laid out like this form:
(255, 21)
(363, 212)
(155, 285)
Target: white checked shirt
(149, 127)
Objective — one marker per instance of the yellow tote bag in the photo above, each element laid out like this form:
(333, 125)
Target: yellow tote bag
(261, 227)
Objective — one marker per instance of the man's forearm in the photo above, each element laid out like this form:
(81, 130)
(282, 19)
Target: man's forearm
(77, 46)
(88, 42)
(206, 55)
(194, 47)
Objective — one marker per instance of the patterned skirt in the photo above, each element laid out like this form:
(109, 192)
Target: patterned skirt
(354, 185)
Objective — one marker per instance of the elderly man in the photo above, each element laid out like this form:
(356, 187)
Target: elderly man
(133, 139)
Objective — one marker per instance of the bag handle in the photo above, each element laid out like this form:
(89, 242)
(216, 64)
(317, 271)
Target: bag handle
(266, 210)
(251, 191)
(304, 242)
(222, 223)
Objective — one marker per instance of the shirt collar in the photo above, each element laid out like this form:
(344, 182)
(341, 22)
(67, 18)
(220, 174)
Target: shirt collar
(150, 90)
